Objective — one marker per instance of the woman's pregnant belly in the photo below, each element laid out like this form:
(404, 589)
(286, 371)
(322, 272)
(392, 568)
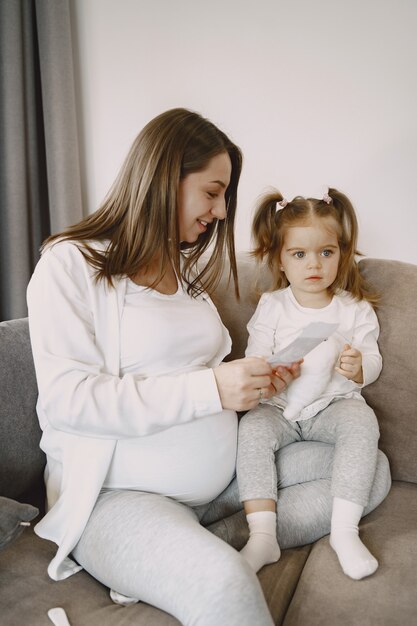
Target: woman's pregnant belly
(192, 463)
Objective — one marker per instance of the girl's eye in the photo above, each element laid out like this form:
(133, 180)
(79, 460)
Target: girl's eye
(327, 253)
(212, 195)
(299, 254)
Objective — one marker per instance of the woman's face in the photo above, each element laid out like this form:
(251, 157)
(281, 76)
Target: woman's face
(201, 197)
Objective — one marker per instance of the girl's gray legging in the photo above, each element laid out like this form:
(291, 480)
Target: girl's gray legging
(152, 548)
(348, 423)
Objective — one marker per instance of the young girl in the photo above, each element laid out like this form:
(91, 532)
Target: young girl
(310, 247)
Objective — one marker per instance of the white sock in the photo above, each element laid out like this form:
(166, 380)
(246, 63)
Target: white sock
(262, 547)
(355, 559)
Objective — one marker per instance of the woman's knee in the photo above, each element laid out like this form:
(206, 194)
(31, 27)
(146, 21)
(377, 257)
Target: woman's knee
(232, 593)
(228, 574)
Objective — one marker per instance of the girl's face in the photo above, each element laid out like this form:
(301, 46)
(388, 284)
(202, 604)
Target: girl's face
(310, 259)
(201, 197)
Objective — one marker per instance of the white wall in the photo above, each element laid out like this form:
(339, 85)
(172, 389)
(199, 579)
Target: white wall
(316, 93)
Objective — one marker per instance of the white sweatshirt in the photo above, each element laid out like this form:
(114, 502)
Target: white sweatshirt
(279, 319)
(84, 405)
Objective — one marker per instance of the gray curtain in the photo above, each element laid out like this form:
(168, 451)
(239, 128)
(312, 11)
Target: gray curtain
(40, 190)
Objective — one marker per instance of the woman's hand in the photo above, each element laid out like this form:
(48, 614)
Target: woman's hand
(350, 364)
(244, 382)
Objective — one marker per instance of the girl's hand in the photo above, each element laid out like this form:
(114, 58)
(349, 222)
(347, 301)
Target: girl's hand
(244, 382)
(283, 376)
(350, 364)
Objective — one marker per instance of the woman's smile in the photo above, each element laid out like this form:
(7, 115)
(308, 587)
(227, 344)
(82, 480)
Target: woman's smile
(203, 193)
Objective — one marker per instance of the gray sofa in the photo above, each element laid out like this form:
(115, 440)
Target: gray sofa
(306, 587)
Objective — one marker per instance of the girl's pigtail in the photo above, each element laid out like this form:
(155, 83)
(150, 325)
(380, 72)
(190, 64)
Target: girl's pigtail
(349, 278)
(267, 233)
(349, 223)
(264, 227)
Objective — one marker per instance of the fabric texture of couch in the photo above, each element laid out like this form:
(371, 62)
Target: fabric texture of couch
(306, 587)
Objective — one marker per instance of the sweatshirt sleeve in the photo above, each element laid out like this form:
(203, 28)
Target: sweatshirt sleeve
(262, 328)
(365, 339)
(77, 394)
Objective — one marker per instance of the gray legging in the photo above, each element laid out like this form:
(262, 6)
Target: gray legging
(349, 424)
(150, 547)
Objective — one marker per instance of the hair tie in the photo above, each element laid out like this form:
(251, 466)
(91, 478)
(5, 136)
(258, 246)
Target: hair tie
(326, 198)
(282, 204)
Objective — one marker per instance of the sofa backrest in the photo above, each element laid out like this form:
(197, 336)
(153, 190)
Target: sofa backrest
(21, 460)
(394, 395)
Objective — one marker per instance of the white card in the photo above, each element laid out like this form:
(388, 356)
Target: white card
(310, 337)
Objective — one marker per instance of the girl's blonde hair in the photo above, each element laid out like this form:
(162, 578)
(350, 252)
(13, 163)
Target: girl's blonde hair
(270, 224)
(139, 216)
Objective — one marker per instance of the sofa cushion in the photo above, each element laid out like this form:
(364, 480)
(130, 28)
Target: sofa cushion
(14, 517)
(27, 593)
(394, 395)
(21, 460)
(26, 590)
(237, 313)
(324, 594)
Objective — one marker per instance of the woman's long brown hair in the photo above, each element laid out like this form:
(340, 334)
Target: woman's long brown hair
(138, 219)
